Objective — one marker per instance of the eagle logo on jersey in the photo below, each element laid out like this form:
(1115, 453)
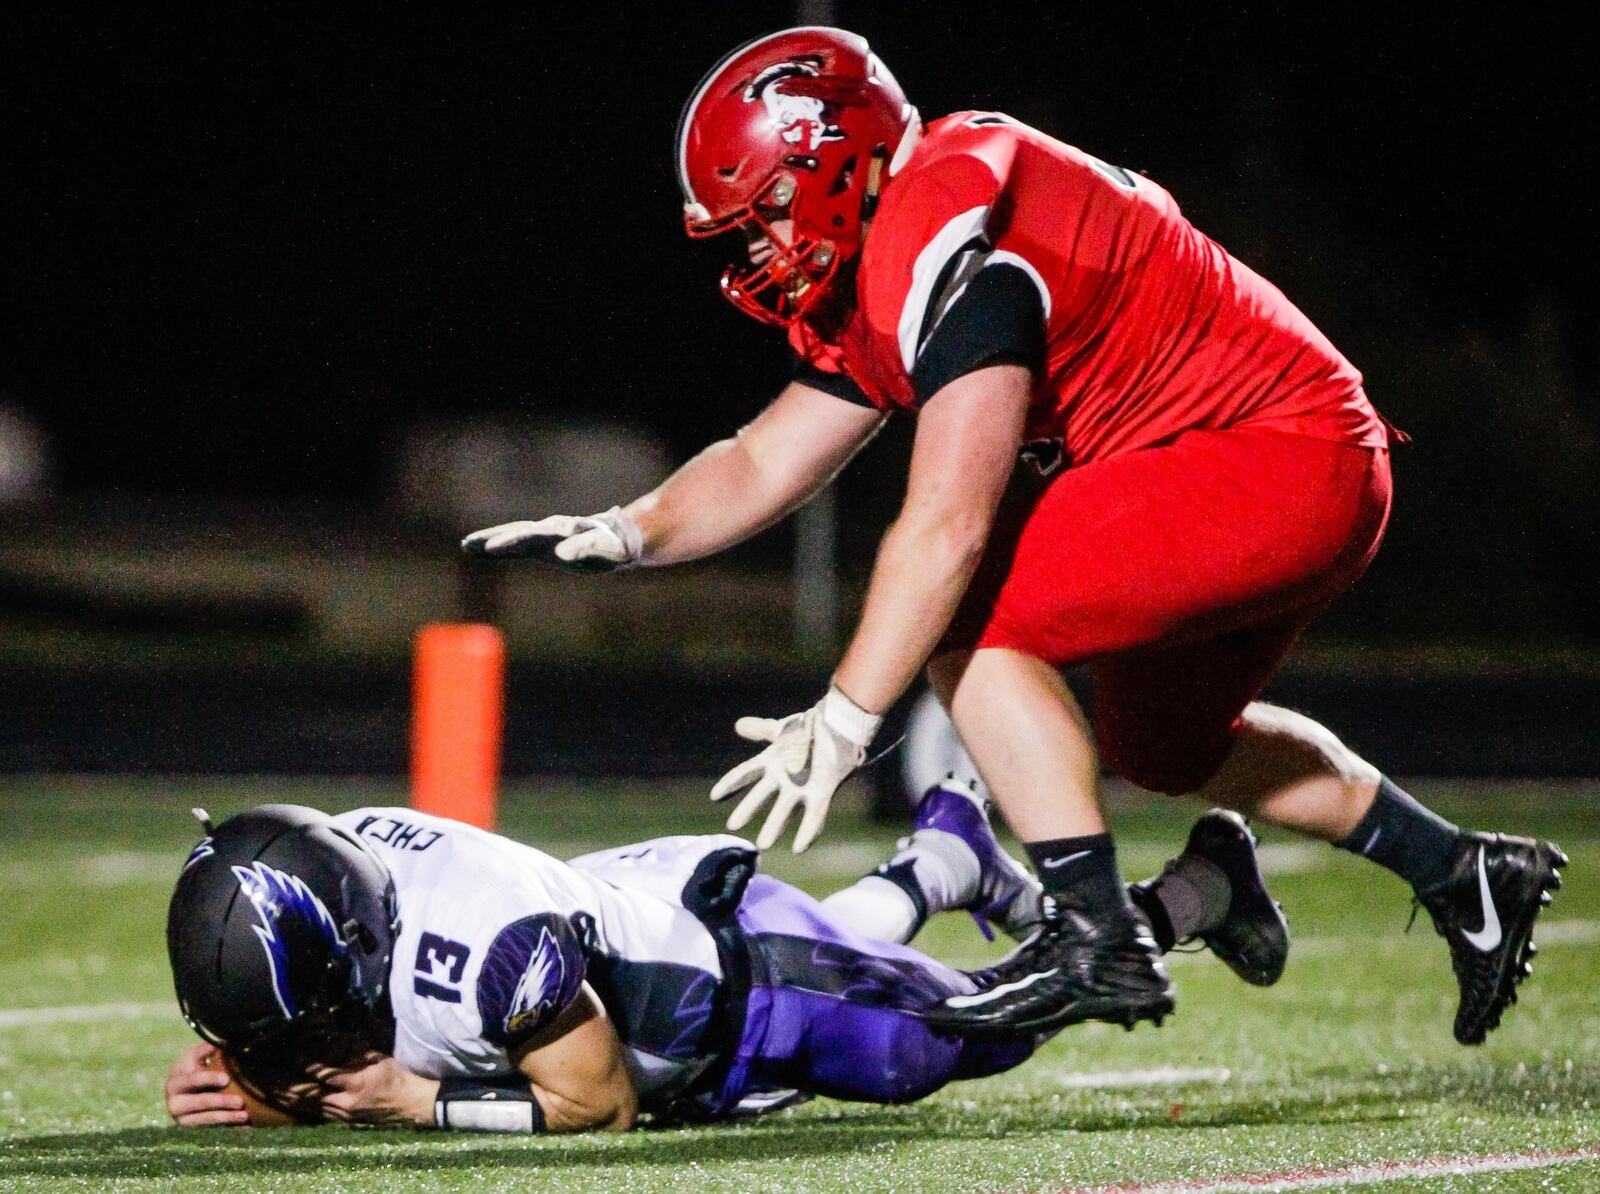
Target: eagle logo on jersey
(536, 992)
(798, 118)
(284, 905)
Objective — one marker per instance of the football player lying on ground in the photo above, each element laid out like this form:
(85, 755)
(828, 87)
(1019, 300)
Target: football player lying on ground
(1208, 475)
(385, 966)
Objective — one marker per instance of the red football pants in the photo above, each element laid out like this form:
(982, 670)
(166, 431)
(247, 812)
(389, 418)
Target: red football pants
(1183, 574)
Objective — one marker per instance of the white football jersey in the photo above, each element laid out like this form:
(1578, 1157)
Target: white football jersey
(496, 938)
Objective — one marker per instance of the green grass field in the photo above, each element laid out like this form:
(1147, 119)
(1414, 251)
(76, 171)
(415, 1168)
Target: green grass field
(1349, 1061)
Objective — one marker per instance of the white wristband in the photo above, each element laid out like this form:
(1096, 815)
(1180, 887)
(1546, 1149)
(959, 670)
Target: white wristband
(486, 1116)
(627, 530)
(848, 719)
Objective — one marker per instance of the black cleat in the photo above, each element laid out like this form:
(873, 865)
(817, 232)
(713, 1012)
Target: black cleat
(1254, 939)
(1485, 910)
(1073, 969)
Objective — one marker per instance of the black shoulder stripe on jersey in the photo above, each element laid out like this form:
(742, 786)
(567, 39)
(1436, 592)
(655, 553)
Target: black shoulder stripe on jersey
(998, 318)
(958, 270)
(665, 1009)
(836, 384)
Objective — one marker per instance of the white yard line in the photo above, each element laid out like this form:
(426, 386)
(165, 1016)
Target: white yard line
(1159, 1076)
(1573, 931)
(119, 868)
(82, 1013)
(1294, 858)
(124, 868)
(1378, 1173)
(848, 858)
(1566, 932)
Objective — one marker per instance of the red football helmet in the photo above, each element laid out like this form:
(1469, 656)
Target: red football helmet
(799, 126)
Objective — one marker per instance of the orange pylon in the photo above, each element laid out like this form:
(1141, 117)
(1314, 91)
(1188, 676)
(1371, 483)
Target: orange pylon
(458, 716)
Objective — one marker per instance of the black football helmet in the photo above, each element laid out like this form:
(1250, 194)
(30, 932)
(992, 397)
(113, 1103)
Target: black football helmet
(280, 933)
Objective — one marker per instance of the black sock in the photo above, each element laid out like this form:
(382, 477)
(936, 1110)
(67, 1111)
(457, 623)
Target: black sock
(1081, 870)
(1398, 833)
(1190, 897)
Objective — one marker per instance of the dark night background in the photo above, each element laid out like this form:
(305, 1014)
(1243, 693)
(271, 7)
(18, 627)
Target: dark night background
(242, 250)
(243, 253)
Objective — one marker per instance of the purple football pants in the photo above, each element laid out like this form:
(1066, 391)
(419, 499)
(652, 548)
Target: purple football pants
(834, 1013)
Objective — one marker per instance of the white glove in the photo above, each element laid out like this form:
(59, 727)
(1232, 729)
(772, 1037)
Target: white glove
(596, 543)
(811, 754)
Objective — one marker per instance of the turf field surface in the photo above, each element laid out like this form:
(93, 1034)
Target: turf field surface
(1343, 1076)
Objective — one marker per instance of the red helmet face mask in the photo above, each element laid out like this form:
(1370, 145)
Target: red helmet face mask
(787, 141)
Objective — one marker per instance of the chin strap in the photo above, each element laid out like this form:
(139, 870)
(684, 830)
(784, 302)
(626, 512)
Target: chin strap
(869, 200)
(882, 161)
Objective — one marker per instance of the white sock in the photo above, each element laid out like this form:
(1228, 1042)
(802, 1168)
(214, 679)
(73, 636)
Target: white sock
(875, 907)
(945, 868)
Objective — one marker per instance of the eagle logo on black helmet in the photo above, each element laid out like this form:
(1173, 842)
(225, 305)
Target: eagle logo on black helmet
(283, 902)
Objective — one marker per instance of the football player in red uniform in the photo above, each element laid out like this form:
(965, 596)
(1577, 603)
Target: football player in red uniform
(1205, 475)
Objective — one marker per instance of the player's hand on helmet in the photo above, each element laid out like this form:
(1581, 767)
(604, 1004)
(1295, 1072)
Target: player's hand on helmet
(197, 1094)
(381, 1092)
(592, 543)
(810, 755)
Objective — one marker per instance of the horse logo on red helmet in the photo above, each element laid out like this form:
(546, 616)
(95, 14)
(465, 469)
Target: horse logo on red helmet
(796, 118)
(806, 122)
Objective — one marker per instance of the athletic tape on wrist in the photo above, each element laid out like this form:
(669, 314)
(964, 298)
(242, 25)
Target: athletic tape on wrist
(848, 719)
(476, 1106)
(628, 531)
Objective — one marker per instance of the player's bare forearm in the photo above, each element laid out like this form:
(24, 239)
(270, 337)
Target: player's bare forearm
(921, 573)
(740, 486)
(563, 1114)
(967, 439)
(578, 1073)
(717, 499)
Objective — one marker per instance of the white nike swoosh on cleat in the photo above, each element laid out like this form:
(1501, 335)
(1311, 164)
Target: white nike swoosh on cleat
(983, 997)
(1487, 937)
(1051, 864)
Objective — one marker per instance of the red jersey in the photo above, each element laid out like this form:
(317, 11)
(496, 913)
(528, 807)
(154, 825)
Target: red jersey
(1149, 328)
